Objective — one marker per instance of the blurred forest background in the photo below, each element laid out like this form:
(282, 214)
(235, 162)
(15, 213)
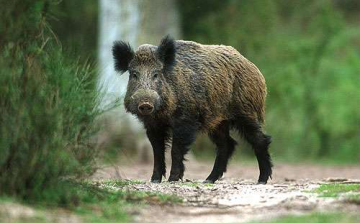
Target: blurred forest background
(308, 51)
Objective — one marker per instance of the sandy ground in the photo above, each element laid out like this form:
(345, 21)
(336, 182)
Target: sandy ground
(237, 198)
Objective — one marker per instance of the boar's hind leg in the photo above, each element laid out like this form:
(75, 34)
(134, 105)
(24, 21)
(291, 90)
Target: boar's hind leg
(225, 147)
(158, 138)
(183, 136)
(260, 142)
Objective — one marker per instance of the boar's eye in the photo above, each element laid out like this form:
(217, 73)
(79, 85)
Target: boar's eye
(134, 75)
(155, 75)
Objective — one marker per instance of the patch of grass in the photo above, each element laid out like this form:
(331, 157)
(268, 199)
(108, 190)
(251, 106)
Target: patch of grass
(319, 218)
(104, 211)
(196, 184)
(27, 219)
(120, 183)
(92, 193)
(333, 190)
(95, 202)
(190, 184)
(141, 197)
(168, 198)
(137, 196)
(104, 204)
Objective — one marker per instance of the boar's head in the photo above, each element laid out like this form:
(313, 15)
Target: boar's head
(148, 68)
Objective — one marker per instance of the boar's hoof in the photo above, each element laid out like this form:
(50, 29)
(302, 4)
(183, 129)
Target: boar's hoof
(208, 181)
(155, 181)
(261, 182)
(174, 178)
(263, 179)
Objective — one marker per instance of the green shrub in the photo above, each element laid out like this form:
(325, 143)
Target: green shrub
(48, 106)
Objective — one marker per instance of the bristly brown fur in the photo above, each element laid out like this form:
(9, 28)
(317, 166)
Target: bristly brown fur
(219, 82)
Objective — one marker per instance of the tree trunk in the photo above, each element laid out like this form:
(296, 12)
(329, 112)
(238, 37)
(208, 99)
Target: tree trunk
(136, 22)
(119, 19)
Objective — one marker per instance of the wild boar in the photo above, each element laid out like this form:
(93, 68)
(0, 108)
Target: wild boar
(181, 87)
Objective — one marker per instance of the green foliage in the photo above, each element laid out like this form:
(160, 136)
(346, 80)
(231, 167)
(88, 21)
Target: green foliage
(309, 85)
(319, 218)
(48, 107)
(48, 111)
(308, 53)
(76, 26)
(215, 22)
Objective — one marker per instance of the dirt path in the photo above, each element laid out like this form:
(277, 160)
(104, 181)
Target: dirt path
(237, 198)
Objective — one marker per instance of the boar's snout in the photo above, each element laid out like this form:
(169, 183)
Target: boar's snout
(145, 108)
(143, 102)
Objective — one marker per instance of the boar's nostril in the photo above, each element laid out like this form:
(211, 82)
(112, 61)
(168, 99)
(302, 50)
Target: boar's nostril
(145, 108)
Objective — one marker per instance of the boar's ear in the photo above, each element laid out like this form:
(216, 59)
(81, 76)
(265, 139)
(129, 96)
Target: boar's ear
(166, 52)
(123, 54)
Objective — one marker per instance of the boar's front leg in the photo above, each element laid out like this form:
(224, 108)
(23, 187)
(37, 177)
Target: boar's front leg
(158, 137)
(225, 146)
(184, 133)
